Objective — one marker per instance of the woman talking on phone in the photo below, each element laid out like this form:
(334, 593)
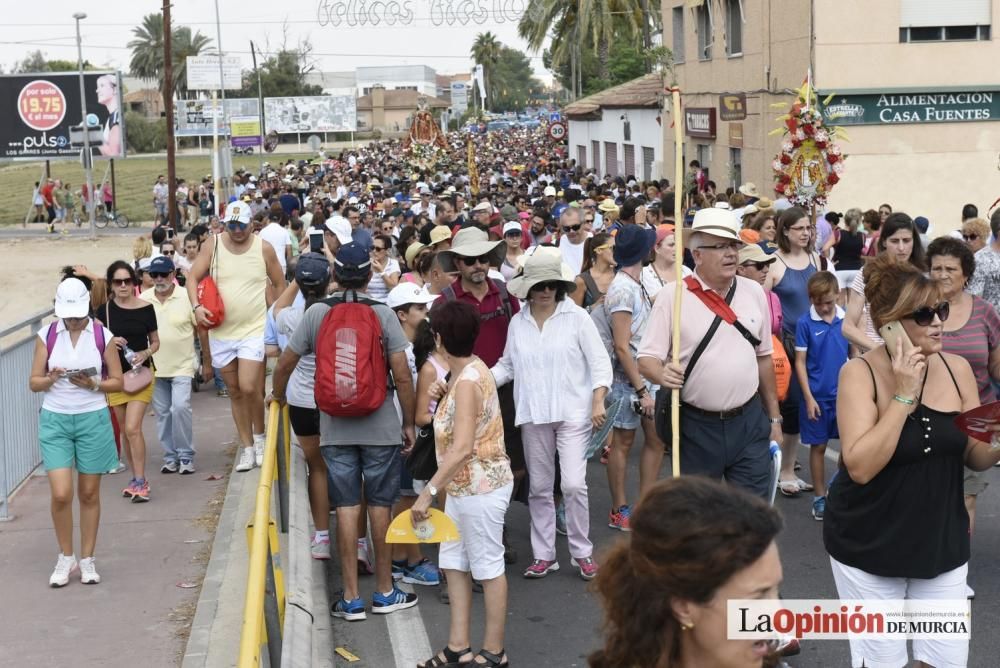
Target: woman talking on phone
(896, 525)
(74, 365)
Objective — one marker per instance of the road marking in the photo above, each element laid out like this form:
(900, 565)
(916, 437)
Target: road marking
(408, 634)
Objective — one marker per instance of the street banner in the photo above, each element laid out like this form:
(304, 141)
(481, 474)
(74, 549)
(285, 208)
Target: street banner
(37, 111)
(321, 113)
(245, 130)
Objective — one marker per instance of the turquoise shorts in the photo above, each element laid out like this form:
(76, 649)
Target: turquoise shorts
(85, 440)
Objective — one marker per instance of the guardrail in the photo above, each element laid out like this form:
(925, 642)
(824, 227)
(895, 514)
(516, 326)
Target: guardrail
(264, 608)
(19, 406)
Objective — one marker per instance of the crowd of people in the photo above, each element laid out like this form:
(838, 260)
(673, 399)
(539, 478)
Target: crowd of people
(465, 343)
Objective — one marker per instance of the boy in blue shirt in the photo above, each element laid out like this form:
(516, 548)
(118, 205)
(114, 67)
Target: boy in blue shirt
(820, 351)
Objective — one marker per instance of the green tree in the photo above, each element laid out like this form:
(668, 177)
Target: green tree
(282, 75)
(626, 61)
(36, 61)
(147, 51)
(145, 135)
(486, 52)
(514, 85)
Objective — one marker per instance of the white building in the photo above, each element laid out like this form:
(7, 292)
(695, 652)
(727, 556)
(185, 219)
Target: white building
(420, 78)
(618, 130)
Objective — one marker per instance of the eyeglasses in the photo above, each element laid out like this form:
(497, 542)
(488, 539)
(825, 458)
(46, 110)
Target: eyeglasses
(924, 315)
(572, 228)
(588, 220)
(159, 274)
(121, 282)
(759, 266)
(471, 261)
(234, 225)
(730, 246)
(799, 228)
(167, 253)
(970, 237)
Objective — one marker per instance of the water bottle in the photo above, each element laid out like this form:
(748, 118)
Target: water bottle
(130, 356)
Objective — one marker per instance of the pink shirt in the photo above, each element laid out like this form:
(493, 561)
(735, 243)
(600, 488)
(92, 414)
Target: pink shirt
(726, 375)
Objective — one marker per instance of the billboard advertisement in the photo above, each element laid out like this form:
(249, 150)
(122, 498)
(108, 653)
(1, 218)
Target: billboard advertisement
(459, 97)
(324, 113)
(246, 130)
(194, 117)
(37, 110)
(203, 72)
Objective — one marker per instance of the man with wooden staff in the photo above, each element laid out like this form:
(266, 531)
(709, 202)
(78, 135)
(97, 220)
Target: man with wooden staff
(729, 403)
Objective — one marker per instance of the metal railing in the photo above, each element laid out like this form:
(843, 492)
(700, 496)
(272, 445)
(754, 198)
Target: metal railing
(19, 407)
(264, 608)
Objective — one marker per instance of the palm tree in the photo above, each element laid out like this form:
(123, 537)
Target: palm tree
(147, 51)
(486, 52)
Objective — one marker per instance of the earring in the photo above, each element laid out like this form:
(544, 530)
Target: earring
(686, 627)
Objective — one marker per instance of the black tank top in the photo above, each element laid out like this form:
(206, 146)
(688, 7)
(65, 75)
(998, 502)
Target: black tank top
(910, 520)
(847, 251)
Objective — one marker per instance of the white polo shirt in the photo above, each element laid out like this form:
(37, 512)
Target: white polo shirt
(65, 397)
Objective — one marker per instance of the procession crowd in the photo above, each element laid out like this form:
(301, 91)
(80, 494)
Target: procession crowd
(463, 341)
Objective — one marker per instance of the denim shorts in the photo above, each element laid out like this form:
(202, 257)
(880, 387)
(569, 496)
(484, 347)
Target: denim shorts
(378, 466)
(627, 417)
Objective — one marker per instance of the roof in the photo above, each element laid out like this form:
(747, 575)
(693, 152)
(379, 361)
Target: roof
(643, 92)
(402, 99)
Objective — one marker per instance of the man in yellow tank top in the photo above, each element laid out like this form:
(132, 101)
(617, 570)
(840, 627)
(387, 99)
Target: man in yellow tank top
(249, 277)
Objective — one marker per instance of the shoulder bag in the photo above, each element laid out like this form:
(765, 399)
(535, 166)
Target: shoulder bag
(208, 291)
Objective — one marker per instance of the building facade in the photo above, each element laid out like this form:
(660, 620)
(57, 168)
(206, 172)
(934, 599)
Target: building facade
(913, 84)
(419, 78)
(392, 110)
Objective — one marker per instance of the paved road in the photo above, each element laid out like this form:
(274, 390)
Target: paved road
(555, 622)
(40, 230)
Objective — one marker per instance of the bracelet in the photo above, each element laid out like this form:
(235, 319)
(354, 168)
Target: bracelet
(642, 392)
(903, 400)
(196, 307)
(777, 420)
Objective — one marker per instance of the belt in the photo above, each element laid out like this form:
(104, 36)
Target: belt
(727, 414)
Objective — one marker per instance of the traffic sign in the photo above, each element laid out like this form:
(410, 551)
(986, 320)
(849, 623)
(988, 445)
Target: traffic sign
(555, 117)
(557, 131)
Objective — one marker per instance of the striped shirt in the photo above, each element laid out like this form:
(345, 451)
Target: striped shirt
(974, 341)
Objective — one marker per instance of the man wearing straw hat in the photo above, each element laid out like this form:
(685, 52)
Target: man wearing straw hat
(729, 403)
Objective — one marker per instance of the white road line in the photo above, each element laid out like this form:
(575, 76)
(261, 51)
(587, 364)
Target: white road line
(407, 632)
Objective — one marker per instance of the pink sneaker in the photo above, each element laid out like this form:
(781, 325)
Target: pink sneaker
(586, 566)
(539, 568)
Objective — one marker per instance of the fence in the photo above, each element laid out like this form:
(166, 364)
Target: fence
(19, 406)
(264, 608)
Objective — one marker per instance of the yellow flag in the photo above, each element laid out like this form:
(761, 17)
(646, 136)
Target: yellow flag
(473, 170)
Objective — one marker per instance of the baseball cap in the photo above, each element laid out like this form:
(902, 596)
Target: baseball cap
(408, 293)
(754, 253)
(352, 261)
(340, 227)
(72, 299)
(483, 206)
(238, 212)
(161, 264)
(549, 191)
(512, 227)
(312, 269)
(145, 263)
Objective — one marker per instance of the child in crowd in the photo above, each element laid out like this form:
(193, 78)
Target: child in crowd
(820, 351)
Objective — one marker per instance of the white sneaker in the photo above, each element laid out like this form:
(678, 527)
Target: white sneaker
(119, 468)
(320, 549)
(64, 568)
(186, 467)
(258, 451)
(246, 460)
(88, 572)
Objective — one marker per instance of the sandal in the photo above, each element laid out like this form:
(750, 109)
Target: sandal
(451, 659)
(803, 485)
(492, 660)
(789, 487)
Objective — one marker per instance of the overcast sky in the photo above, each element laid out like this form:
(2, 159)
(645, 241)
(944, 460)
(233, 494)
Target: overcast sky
(48, 25)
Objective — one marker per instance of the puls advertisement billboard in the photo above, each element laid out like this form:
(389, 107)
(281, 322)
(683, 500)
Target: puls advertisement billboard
(37, 110)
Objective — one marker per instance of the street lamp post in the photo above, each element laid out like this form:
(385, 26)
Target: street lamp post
(88, 159)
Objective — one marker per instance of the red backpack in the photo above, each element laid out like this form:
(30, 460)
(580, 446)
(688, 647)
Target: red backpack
(351, 367)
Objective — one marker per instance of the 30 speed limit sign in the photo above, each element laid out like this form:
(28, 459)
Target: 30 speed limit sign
(557, 131)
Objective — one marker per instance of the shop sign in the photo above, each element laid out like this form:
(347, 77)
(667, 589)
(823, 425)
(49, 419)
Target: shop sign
(736, 135)
(913, 107)
(732, 106)
(700, 122)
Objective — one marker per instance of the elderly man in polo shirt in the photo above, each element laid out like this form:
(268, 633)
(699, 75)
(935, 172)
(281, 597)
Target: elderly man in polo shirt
(729, 409)
(175, 361)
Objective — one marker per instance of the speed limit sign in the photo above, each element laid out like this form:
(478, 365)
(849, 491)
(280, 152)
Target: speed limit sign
(557, 131)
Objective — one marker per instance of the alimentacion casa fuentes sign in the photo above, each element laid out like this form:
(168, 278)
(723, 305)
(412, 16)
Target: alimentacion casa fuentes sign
(913, 107)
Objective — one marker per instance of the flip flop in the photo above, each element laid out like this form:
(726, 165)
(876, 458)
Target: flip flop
(803, 485)
(789, 488)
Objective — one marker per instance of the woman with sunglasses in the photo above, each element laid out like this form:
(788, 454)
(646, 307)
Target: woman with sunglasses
(975, 233)
(385, 269)
(660, 270)
(895, 524)
(132, 321)
(74, 362)
(598, 271)
(512, 233)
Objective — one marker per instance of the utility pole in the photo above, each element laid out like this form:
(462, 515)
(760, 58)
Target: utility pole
(647, 42)
(260, 111)
(224, 179)
(88, 159)
(168, 108)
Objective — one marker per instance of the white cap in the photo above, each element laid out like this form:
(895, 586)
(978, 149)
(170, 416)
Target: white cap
(512, 226)
(341, 228)
(238, 212)
(408, 293)
(145, 263)
(251, 186)
(72, 299)
(483, 206)
(549, 191)
(253, 179)
(352, 200)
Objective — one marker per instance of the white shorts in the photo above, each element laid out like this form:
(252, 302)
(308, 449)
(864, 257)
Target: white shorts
(225, 351)
(854, 583)
(479, 519)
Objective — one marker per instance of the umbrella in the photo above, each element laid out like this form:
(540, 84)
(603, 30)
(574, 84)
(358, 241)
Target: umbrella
(599, 436)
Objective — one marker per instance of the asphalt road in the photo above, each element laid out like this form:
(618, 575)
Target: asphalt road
(556, 622)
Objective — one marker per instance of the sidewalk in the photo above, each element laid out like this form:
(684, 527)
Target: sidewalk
(151, 557)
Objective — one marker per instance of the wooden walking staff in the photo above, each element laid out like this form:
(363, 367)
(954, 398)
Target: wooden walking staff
(675, 401)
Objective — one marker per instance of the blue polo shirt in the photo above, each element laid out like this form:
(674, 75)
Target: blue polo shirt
(826, 351)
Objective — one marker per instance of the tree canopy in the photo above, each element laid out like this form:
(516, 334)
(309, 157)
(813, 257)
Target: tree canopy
(282, 75)
(36, 61)
(147, 51)
(514, 84)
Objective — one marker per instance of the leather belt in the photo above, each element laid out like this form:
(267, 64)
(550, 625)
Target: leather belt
(728, 414)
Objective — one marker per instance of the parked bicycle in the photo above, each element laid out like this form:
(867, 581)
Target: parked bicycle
(103, 217)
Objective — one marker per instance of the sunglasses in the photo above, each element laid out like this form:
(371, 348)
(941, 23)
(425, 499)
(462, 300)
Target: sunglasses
(546, 285)
(572, 228)
(159, 274)
(379, 249)
(759, 266)
(471, 261)
(603, 247)
(924, 315)
(588, 220)
(237, 226)
(970, 237)
(120, 282)
(167, 253)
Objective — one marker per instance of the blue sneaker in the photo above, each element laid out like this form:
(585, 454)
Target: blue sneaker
(397, 599)
(398, 569)
(819, 506)
(423, 573)
(352, 611)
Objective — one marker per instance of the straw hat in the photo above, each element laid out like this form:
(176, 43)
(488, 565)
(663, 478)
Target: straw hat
(472, 242)
(715, 222)
(540, 268)
(750, 190)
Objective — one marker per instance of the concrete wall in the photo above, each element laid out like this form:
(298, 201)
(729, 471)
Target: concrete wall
(645, 132)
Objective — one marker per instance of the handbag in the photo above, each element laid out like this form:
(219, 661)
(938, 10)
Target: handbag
(208, 291)
(422, 460)
(137, 378)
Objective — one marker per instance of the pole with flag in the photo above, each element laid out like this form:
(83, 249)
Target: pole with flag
(675, 401)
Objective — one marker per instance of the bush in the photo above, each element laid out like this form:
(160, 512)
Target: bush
(144, 135)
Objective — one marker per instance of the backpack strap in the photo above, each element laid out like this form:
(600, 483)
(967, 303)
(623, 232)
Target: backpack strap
(101, 345)
(50, 343)
(592, 290)
(449, 294)
(721, 308)
(505, 299)
(703, 344)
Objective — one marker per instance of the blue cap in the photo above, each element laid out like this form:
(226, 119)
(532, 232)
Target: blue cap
(352, 261)
(633, 244)
(161, 264)
(312, 269)
(921, 224)
(768, 247)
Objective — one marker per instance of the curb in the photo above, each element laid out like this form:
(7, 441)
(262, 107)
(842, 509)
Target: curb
(300, 612)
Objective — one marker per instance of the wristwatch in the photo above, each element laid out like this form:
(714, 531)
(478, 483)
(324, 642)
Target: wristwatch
(432, 489)
(777, 420)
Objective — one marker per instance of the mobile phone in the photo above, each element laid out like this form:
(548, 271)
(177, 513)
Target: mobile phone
(637, 407)
(315, 240)
(170, 233)
(92, 371)
(891, 332)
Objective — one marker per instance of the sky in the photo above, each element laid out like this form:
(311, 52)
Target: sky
(423, 40)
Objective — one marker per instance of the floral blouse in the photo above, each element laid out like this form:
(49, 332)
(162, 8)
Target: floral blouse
(489, 468)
